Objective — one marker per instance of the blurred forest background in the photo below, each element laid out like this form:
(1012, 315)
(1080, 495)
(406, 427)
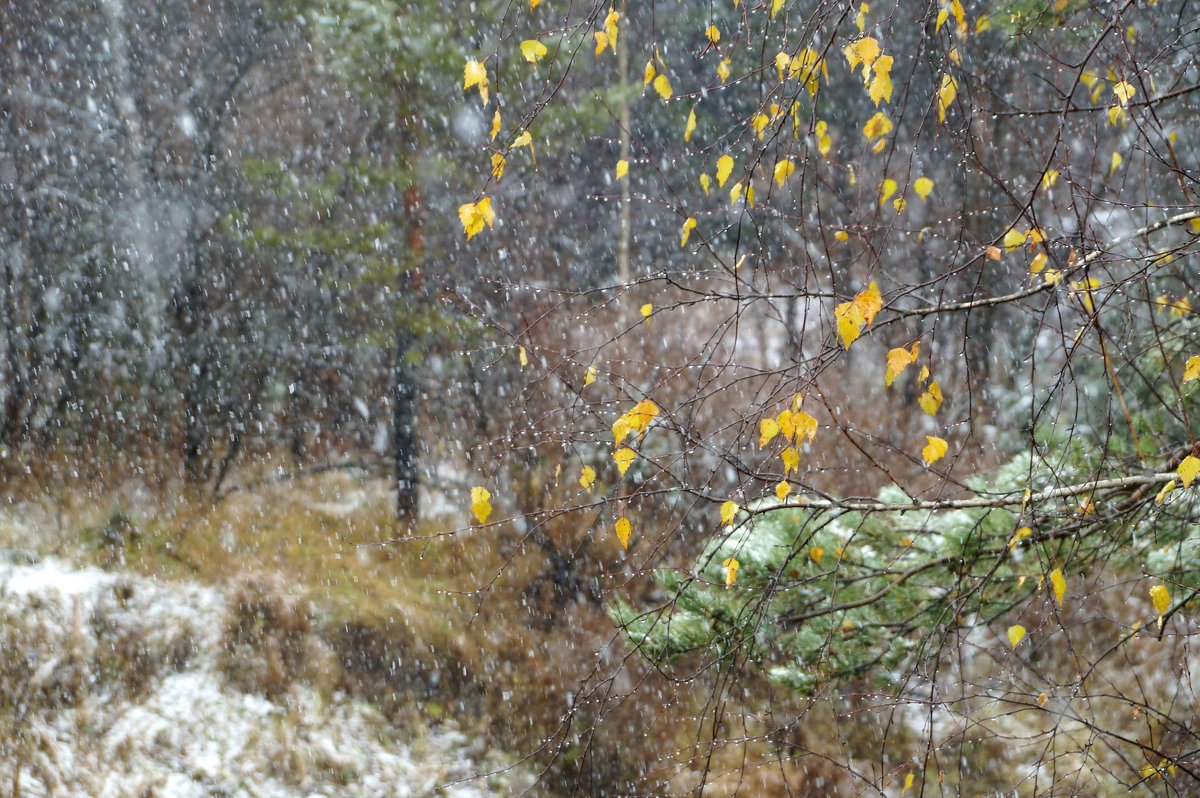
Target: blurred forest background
(246, 343)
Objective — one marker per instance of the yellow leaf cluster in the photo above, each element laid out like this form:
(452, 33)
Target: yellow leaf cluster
(474, 215)
(607, 38)
(636, 420)
(856, 314)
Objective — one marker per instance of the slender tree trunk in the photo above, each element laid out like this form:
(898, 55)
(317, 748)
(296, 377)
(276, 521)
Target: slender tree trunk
(403, 431)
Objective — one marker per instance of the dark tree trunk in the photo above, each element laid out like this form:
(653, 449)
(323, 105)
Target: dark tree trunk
(403, 431)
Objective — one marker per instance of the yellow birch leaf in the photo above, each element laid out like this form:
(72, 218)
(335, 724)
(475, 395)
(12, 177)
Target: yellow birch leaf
(705, 183)
(724, 168)
(481, 504)
(723, 71)
(886, 189)
(587, 477)
(1013, 239)
(945, 96)
(1115, 163)
(731, 565)
(841, 235)
(931, 400)
(860, 21)
(849, 322)
(1038, 263)
(783, 170)
(791, 460)
(767, 430)
(690, 128)
(934, 450)
(475, 74)
(1058, 584)
(1124, 92)
(864, 51)
(1050, 178)
(713, 34)
(877, 126)
(783, 62)
(688, 226)
(498, 164)
(648, 73)
(533, 50)
(923, 187)
(621, 429)
(881, 80)
(663, 87)
(1188, 470)
(622, 168)
(1162, 600)
(624, 457)
(624, 530)
(942, 16)
(1192, 370)
(1166, 490)
(908, 782)
(645, 411)
(1016, 633)
(759, 122)
(524, 358)
(816, 554)
(534, 4)
(899, 204)
(496, 124)
(589, 377)
(735, 193)
(728, 511)
(775, 6)
(869, 302)
(806, 425)
(993, 253)
(898, 360)
(1018, 536)
(787, 424)
(783, 490)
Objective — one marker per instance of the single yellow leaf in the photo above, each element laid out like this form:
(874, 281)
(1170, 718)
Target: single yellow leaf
(587, 477)
(723, 71)
(908, 782)
(624, 530)
(645, 411)
(1188, 469)
(841, 235)
(713, 34)
(663, 87)
(864, 52)
(1166, 490)
(775, 6)
(1016, 634)
(1124, 92)
(923, 187)
(898, 360)
(877, 126)
(869, 302)
(791, 460)
(524, 358)
(931, 400)
(1018, 536)
(1050, 178)
(816, 553)
(1013, 239)
(589, 377)
(759, 122)
(1192, 370)
(498, 164)
(787, 424)
(647, 310)
(993, 253)
(481, 503)
(648, 73)
(783, 490)
(767, 429)
(934, 450)
(705, 183)
(622, 168)
(690, 128)
(688, 226)
(724, 168)
(849, 322)
(1058, 584)
(475, 74)
(534, 4)
(496, 124)
(728, 510)
(731, 566)
(783, 170)
(1115, 163)
(945, 96)
(881, 80)
(735, 193)
(860, 21)
(1038, 263)
(886, 189)
(533, 50)
(1162, 600)
(624, 457)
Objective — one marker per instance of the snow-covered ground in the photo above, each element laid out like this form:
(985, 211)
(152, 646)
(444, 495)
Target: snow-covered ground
(113, 688)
